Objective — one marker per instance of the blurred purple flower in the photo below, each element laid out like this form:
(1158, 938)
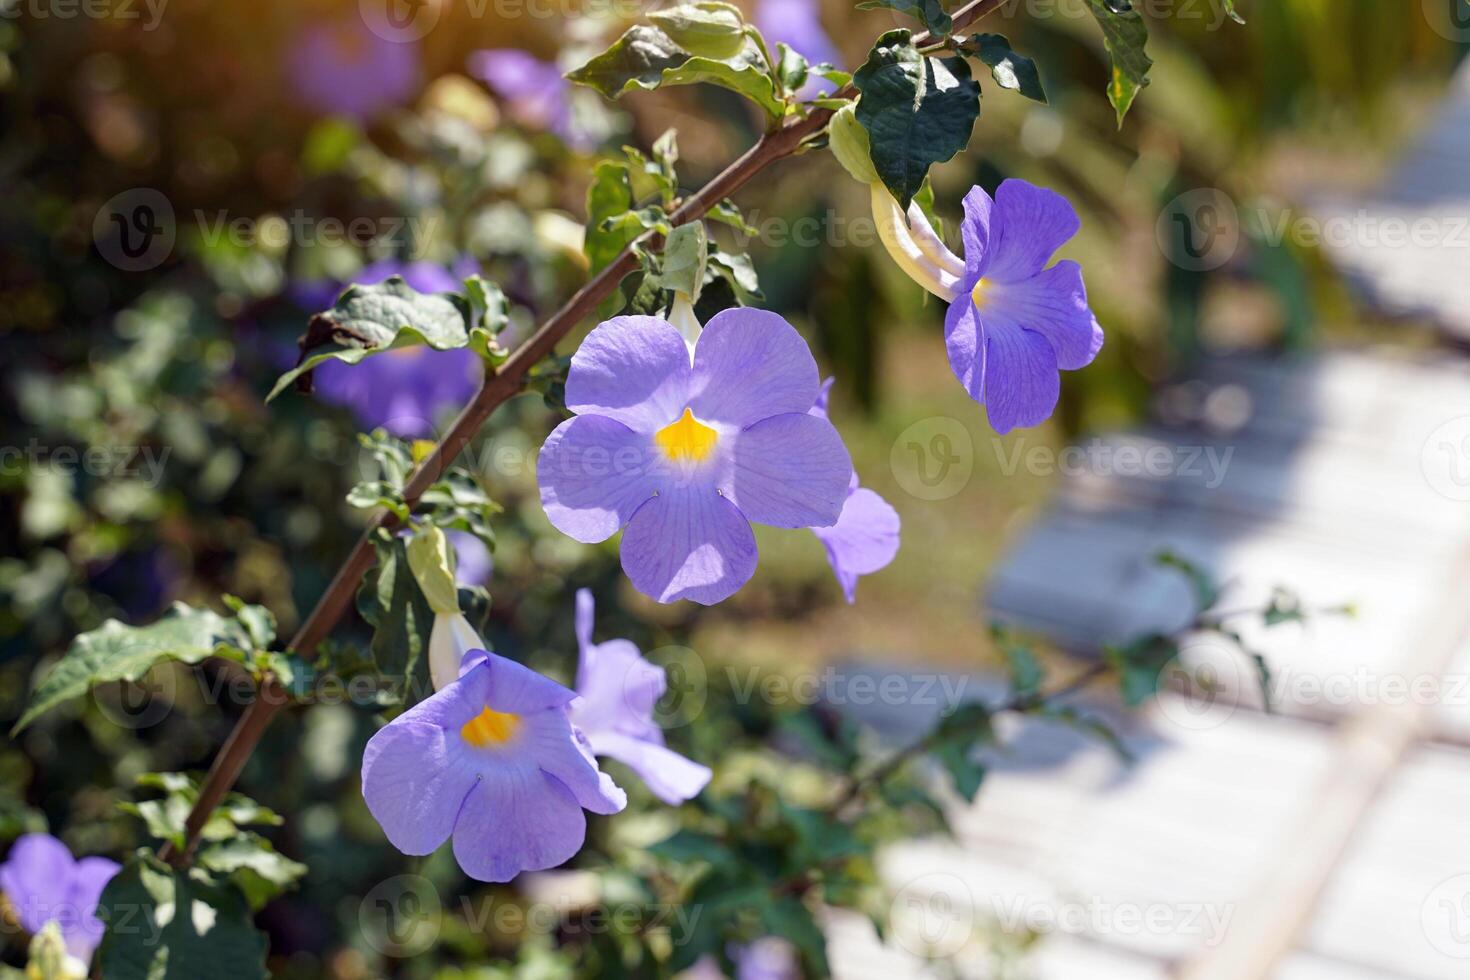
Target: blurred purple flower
(686, 455)
(866, 536)
(403, 390)
(616, 693)
(768, 958)
(798, 24)
(493, 762)
(43, 883)
(473, 563)
(1014, 322)
(534, 92)
(344, 68)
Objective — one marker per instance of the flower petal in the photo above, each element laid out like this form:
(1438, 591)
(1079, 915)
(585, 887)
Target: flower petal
(864, 539)
(1052, 303)
(634, 369)
(562, 752)
(586, 608)
(965, 342)
(1021, 381)
(594, 473)
(517, 819)
(517, 689)
(415, 779)
(1031, 223)
(751, 364)
(975, 230)
(617, 690)
(35, 879)
(84, 933)
(790, 471)
(688, 544)
(667, 774)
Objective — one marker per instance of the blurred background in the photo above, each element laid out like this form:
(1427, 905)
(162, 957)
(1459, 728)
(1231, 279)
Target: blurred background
(185, 182)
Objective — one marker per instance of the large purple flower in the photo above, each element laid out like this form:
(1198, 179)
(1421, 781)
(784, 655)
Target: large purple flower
(617, 690)
(43, 883)
(535, 92)
(401, 390)
(344, 68)
(688, 455)
(865, 538)
(492, 761)
(1014, 322)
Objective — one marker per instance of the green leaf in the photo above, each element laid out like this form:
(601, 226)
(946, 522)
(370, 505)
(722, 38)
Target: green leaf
(647, 58)
(686, 846)
(918, 111)
(118, 652)
(1230, 10)
(1010, 70)
(739, 272)
(258, 621)
(791, 68)
(929, 12)
(966, 773)
(167, 924)
(708, 27)
(685, 251)
(1285, 607)
(390, 600)
(1140, 665)
(253, 864)
(1206, 592)
(792, 920)
(1125, 35)
(609, 194)
(1025, 671)
(389, 315)
(1089, 726)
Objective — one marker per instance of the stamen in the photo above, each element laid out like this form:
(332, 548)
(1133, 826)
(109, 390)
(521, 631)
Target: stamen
(979, 295)
(490, 728)
(687, 439)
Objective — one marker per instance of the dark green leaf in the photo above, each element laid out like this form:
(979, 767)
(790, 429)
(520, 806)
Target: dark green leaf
(929, 12)
(966, 773)
(792, 920)
(687, 845)
(118, 652)
(166, 924)
(1140, 665)
(1010, 70)
(610, 194)
(1125, 34)
(917, 111)
(1206, 592)
(390, 600)
(253, 864)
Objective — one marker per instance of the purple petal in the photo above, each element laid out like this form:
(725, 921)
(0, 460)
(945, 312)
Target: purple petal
(864, 539)
(689, 544)
(798, 24)
(1021, 380)
(634, 369)
(473, 563)
(89, 879)
(513, 73)
(517, 819)
(975, 230)
(345, 68)
(1031, 223)
(617, 691)
(519, 690)
(790, 471)
(768, 958)
(667, 774)
(560, 752)
(819, 408)
(415, 779)
(594, 473)
(586, 608)
(1054, 304)
(36, 879)
(965, 342)
(751, 364)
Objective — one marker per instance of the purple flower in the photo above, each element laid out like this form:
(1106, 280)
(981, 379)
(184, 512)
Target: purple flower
(535, 93)
(688, 455)
(1014, 322)
(768, 958)
(616, 693)
(865, 538)
(402, 390)
(798, 24)
(473, 563)
(493, 762)
(42, 883)
(345, 68)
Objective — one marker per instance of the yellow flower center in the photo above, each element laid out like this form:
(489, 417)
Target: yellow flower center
(977, 295)
(490, 728)
(686, 439)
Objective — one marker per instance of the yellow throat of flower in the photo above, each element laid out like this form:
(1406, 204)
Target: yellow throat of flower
(687, 439)
(490, 728)
(978, 294)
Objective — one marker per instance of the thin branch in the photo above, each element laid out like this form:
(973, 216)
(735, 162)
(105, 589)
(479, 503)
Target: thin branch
(498, 388)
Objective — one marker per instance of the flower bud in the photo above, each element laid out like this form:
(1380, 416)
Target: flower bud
(848, 141)
(708, 27)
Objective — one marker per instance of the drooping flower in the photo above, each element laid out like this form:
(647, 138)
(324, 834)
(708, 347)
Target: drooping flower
(616, 693)
(865, 538)
(402, 390)
(534, 92)
(1013, 323)
(687, 452)
(343, 67)
(493, 762)
(43, 883)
